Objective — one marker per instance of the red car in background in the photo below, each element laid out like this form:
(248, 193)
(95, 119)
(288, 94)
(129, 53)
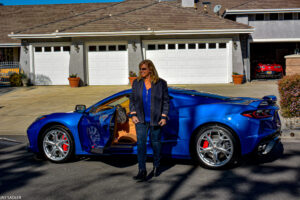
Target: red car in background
(268, 70)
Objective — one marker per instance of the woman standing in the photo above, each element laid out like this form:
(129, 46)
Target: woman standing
(149, 107)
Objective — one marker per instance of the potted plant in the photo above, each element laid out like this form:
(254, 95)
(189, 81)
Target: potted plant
(74, 80)
(24, 79)
(237, 78)
(132, 76)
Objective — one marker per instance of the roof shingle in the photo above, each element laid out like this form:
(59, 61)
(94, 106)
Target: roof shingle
(130, 15)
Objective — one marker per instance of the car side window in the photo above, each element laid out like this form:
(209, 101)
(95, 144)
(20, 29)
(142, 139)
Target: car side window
(122, 100)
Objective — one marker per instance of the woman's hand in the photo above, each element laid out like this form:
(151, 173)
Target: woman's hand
(162, 122)
(135, 119)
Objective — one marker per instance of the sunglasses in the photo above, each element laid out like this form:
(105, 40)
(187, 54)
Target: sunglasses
(143, 69)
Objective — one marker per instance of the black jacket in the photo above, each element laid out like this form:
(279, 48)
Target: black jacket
(159, 100)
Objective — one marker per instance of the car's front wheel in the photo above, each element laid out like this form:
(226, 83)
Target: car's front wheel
(57, 144)
(215, 147)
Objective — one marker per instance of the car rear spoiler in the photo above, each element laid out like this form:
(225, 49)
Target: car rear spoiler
(268, 100)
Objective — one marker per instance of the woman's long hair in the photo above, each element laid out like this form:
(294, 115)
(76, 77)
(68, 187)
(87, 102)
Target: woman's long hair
(153, 73)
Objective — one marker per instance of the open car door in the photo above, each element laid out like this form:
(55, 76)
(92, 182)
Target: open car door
(96, 129)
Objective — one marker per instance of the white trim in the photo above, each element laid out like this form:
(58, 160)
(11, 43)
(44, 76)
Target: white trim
(251, 11)
(31, 64)
(276, 40)
(10, 44)
(219, 40)
(126, 33)
(50, 44)
(229, 62)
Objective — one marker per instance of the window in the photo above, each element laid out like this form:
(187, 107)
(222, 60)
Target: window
(202, 46)
(212, 45)
(92, 48)
(161, 46)
(171, 46)
(47, 49)
(38, 49)
(298, 15)
(102, 48)
(66, 48)
(56, 49)
(181, 46)
(274, 16)
(122, 47)
(151, 46)
(192, 46)
(288, 16)
(112, 48)
(259, 17)
(222, 45)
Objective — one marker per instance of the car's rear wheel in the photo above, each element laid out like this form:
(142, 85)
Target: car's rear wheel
(215, 147)
(57, 144)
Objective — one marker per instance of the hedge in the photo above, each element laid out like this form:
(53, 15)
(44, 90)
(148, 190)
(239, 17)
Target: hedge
(289, 90)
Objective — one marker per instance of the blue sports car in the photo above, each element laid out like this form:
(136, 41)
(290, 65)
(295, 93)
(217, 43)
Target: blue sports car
(215, 130)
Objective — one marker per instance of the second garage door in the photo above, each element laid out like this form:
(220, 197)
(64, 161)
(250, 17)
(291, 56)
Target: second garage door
(108, 64)
(191, 62)
(51, 64)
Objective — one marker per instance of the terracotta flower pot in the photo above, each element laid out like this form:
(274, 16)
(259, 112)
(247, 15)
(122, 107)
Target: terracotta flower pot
(131, 79)
(74, 82)
(238, 79)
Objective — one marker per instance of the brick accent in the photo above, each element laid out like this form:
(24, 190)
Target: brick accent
(292, 64)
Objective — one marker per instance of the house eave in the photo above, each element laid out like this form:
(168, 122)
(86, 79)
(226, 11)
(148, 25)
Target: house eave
(129, 33)
(10, 44)
(258, 11)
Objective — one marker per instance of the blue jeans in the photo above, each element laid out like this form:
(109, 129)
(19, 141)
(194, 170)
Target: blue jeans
(155, 136)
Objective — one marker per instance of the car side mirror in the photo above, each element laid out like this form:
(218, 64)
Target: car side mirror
(80, 108)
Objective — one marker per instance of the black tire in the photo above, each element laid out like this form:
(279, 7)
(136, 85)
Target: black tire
(214, 158)
(66, 144)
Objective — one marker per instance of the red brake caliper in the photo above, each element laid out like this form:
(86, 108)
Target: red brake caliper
(64, 146)
(205, 144)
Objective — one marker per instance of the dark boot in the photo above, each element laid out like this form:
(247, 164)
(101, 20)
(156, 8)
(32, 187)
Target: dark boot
(156, 171)
(141, 176)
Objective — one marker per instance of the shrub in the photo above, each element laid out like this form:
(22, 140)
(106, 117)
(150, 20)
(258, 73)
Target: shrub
(15, 79)
(132, 74)
(73, 75)
(289, 90)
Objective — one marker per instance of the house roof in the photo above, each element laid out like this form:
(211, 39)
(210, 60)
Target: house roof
(127, 16)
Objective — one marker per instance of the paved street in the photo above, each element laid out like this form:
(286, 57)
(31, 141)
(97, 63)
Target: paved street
(23, 175)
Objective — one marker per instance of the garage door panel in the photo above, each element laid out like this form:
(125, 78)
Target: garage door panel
(197, 65)
(51, 68)
(108, 67)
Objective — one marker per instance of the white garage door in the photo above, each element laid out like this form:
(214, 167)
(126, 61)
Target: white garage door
(188, 62)
(51, 65)
(108, 64)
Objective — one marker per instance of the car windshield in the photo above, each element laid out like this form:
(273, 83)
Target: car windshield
(110, 104)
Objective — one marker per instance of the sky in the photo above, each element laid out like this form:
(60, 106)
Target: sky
(32, 2)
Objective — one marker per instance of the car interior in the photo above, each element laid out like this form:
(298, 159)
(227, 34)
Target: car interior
(124, 131)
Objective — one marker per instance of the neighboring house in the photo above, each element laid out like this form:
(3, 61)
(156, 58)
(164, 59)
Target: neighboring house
(276, 24)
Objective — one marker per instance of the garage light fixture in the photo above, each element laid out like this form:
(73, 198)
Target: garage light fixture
(134, 46)
(77, 48)
(235, 45)
(25, 46)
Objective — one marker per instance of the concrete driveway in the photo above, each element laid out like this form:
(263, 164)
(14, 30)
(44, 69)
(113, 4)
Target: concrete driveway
(20, 106)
